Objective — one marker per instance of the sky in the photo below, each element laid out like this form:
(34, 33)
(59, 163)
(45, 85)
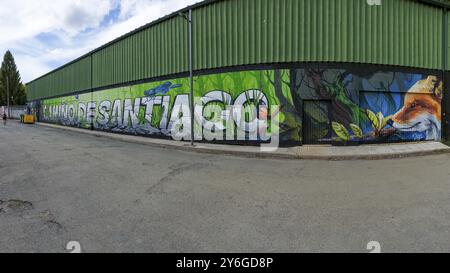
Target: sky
(45, 34)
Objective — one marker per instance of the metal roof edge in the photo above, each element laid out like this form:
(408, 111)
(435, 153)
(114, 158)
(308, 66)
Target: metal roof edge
(440, 3)
(131, 33)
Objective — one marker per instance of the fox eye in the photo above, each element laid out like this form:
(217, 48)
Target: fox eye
(414, 105)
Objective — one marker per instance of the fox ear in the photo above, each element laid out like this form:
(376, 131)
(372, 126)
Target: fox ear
(438, 90)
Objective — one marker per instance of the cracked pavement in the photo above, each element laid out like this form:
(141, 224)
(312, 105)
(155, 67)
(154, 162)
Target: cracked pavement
(111, 196)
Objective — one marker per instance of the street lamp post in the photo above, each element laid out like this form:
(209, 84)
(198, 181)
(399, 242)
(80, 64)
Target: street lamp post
(191, 74)
(7, 95)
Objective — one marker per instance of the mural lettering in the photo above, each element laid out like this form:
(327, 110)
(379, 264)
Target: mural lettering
(312, 105)
(230, 106)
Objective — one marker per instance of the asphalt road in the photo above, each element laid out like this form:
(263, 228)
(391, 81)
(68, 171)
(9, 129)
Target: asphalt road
(112, 196)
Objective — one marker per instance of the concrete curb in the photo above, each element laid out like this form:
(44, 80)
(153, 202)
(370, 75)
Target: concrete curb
(244, 151)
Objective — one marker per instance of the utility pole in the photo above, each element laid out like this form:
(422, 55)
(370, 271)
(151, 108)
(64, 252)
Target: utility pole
(191, 75)
(7, 95)
(445, 105)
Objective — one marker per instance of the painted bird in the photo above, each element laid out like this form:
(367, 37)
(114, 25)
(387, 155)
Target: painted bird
(162, 89)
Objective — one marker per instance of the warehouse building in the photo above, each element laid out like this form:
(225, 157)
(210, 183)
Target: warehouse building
(342, 72)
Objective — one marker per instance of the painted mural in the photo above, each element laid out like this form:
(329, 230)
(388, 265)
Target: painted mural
(155, 109)
(312, 106)
(368, 106)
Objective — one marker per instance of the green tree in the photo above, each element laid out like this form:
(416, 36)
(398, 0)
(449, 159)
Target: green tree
(10, 77)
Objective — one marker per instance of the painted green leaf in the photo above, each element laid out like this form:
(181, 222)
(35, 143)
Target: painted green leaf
(356, 130)
(385, 121)
(381, 124)
(373, 119)
(341, 132)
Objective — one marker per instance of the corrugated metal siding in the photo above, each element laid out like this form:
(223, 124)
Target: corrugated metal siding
(442, 2)
(400, 32)
(447, 53)
(73, 78)
(241, 32)
(157, 51)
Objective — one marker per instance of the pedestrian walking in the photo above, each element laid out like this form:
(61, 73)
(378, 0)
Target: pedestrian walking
(4, 119)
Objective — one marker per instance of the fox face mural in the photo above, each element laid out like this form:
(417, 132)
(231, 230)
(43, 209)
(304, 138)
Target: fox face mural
(421, 111)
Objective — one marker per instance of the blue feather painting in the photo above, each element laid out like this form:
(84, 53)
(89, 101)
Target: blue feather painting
(161, 90)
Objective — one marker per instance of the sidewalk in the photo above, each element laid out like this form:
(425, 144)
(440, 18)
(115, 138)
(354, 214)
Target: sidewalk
(363, 152)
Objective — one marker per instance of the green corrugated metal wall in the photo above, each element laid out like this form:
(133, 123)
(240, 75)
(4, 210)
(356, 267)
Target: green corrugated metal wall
(240, 32)
(74, 77)
(447, 67)
(160, 50)
(400, 32)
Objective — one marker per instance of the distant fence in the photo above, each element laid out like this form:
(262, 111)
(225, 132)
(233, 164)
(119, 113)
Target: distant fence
(15, 111)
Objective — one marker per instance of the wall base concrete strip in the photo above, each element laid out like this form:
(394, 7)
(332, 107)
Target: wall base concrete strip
(330, 153)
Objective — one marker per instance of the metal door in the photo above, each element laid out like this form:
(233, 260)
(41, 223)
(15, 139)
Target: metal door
(317, 122)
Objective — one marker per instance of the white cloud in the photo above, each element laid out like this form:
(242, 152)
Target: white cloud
(46, 34)
(26, 18)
